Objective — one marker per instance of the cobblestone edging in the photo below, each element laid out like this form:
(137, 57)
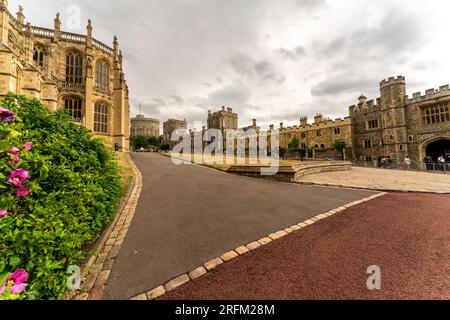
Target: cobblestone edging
(98, 268)
(212, 264)
(374, 188)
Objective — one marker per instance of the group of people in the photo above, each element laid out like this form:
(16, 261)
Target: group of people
(443, 163)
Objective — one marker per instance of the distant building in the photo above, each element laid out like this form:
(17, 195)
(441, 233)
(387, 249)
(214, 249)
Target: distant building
(223, 119)
(147, 127)
(319, 135)
(67, 71)
(397, 126)
(170, 126)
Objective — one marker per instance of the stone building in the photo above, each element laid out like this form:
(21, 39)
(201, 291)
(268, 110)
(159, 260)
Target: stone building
(170, 126)
(147, 127)
(66, 71)
(396, 125)
(223, 119)
(319, 135)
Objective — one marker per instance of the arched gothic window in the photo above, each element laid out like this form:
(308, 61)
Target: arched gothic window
(39, 56)
(74, 68)
(101, 117)
(102, 75)
(74, 108)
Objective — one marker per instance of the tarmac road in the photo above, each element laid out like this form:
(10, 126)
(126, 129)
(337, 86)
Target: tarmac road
(190, 214)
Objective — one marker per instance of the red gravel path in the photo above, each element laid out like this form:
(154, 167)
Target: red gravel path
(407, 235)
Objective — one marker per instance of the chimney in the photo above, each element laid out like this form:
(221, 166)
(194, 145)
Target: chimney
(281, 125)
(223, 108)
(272, 127)
(254, 123)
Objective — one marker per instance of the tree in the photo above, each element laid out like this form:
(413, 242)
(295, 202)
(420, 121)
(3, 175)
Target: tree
(138, 142)
(340, 146)
(293, 145)
(154, 141)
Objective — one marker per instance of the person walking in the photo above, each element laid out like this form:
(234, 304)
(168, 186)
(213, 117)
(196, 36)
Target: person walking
(407, 163)
(441, 161)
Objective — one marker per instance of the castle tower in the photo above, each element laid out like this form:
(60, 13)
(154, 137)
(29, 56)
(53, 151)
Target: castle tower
(304, 121)
(393, 92)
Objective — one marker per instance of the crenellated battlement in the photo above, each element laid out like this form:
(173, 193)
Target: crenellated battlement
(429, 94)
(367, 107)
(392, 80)
(319, 125)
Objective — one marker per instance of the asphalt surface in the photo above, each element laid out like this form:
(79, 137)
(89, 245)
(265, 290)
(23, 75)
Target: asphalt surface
(406, 235)
(190, 214)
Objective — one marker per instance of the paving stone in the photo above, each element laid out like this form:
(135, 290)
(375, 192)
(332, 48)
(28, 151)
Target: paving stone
(175, 283)
(110, 241)
(274, 236)
(108, 264)
(102, 278)
(213, 264)
(96, 293)
(309, 222)
(101, 258)
(295, 227)
(81, 296)
(197, 273)
(253, 245)
(90, 280)
(302, 225)
(114, 251)
(229, 256)
(242, 250)
(289, 230)
(106, 249)
(140, 297)
(322, 216)
(265, 241)
(156, 293)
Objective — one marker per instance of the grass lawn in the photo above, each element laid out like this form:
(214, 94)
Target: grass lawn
(126, 172)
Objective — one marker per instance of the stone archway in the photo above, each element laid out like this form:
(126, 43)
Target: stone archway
(435, 147)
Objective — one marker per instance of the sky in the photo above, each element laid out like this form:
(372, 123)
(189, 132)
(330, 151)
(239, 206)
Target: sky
(270, 60)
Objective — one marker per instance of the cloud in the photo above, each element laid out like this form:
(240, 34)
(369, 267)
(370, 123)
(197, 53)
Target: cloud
(270, 60)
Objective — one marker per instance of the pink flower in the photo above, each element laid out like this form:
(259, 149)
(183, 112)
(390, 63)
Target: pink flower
(18, 176)
(3, 213)
(15, 152)
(6, 115)
(28, 145)
(18, 279)
(22, 193)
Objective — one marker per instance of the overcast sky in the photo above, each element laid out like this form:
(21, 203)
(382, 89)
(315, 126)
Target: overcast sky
(270, 60)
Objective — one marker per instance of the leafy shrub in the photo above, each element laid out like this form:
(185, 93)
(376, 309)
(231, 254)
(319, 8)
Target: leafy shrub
(74, 190)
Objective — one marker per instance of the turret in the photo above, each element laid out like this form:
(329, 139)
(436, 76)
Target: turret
(303, 121)
(116, 46)
(57, 27)
(393, 92)
(89, 34)
(318, 118)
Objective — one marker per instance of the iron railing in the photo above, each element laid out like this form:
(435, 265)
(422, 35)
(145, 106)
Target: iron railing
(434, 167)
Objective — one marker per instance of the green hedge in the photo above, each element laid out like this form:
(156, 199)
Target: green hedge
(75, 188)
